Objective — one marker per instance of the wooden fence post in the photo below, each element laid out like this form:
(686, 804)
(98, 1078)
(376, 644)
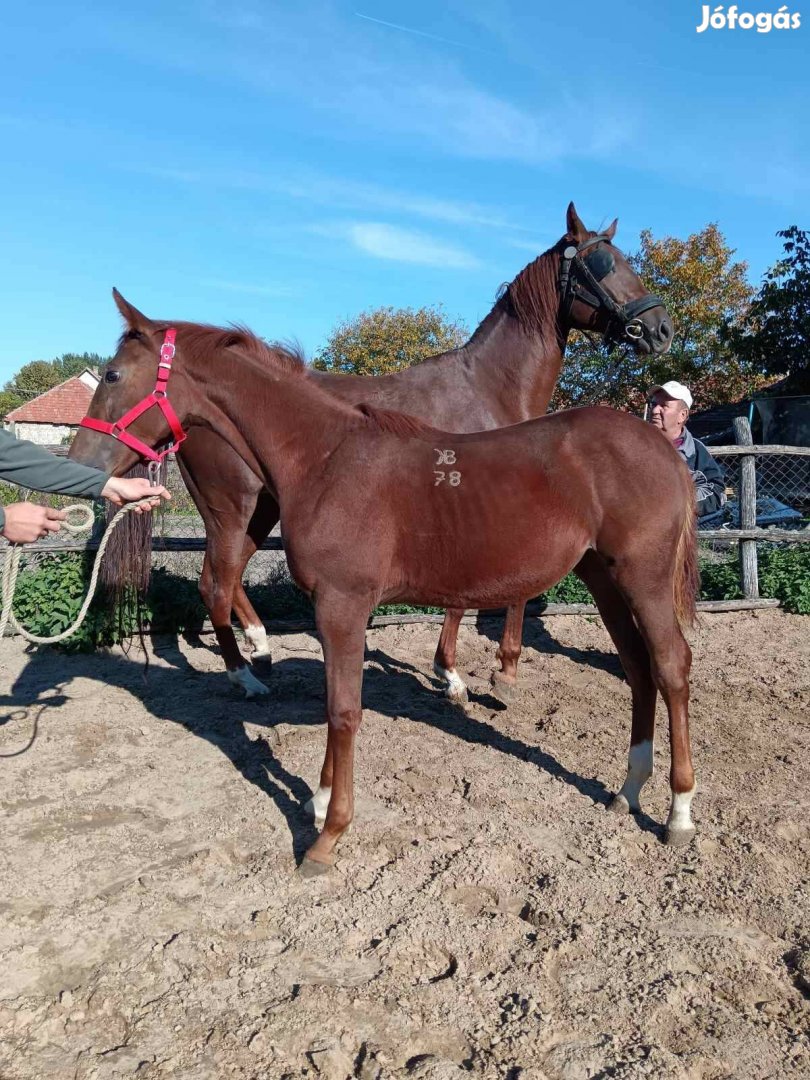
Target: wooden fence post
(748, 509)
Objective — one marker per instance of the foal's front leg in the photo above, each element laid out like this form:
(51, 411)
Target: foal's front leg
(341, 624)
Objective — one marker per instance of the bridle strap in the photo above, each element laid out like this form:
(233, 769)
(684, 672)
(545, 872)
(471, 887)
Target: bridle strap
(159, 397)
(622, 316)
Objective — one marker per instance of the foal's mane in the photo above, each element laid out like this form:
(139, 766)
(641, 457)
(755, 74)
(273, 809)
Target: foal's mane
(200, 341)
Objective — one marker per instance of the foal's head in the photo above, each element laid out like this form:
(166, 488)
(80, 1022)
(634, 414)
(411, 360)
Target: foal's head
(585, 283)
(130, 379)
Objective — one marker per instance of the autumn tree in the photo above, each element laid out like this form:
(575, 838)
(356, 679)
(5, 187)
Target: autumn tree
(388, 339)
(705, 291)
(775, 333)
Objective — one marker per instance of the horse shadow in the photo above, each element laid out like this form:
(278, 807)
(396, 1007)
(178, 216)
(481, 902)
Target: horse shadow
(489, 624)
(42, 686)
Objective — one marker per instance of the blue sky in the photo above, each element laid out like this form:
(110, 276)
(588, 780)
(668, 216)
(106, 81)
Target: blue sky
(287, 165)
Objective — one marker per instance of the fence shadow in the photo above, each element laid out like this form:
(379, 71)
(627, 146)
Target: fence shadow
(535, 636)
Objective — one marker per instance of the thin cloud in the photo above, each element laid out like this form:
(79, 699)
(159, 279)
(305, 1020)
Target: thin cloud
(421, 33)
(342, 194)
(396, 244)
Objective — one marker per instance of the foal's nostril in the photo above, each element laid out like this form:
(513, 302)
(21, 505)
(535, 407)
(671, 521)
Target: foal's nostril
(665, 329)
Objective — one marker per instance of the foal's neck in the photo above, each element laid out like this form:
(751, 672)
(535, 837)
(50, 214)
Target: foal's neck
(279, 421)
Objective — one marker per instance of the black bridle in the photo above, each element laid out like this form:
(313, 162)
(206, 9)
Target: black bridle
(580, 277)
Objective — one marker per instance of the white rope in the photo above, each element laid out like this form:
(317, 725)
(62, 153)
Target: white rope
(11, 568)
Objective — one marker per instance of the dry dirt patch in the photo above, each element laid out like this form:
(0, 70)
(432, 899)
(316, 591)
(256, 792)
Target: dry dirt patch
(486, 915)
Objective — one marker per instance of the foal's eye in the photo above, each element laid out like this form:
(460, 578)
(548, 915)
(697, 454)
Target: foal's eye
(112, 376)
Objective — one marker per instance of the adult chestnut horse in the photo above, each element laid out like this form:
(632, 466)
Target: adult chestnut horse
(379, 507)
(505, 373)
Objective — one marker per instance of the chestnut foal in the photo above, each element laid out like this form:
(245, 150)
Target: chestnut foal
(379, 507)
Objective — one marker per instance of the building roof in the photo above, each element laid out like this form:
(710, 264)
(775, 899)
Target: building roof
(66, 403)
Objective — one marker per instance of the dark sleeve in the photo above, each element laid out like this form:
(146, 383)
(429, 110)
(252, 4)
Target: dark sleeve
(710, 483)
(32, 466)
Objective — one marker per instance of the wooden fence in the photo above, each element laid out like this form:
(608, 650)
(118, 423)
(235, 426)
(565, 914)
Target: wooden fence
(741, 459)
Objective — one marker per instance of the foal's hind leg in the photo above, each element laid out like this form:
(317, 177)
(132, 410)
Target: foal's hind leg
(505, 680)
(649, 593)
(444, 662)
(635, 659)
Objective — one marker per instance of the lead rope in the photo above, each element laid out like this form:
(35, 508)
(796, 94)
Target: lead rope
(11, 568)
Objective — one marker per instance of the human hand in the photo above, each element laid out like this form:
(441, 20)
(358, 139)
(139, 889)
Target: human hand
(27, 522)
(121, 489)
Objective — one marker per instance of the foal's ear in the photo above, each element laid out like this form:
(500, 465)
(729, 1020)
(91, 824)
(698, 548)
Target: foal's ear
(575, 229)
(610, 232)
(134, 319)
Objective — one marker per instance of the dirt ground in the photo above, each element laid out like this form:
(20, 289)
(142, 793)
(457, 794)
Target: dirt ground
(486, 915)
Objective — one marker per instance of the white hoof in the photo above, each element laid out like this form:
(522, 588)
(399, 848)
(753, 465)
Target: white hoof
(456, 690)
(245, 678)
(257, 636)
(317, 806)
(680, 828)
(639, 771)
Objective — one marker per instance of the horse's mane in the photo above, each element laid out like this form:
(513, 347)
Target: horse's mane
(534, 293)
(394, 423)
(199, 341)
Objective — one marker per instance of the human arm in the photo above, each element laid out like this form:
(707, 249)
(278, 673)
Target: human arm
(32, 466)
(710, 484)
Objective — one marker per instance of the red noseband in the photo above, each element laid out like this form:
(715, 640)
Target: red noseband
(159, 397)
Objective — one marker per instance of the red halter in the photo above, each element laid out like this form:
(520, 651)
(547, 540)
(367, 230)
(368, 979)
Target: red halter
(159, 397)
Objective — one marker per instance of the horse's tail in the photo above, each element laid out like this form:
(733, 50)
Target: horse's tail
(127, 560)
(686, 580)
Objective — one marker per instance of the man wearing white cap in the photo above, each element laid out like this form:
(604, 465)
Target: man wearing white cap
(669, 406)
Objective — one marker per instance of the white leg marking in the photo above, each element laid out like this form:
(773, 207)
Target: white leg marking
(319, 804)
(639, 771)
(257, 636)
(456, 689)
(680, 814)
(245, 678)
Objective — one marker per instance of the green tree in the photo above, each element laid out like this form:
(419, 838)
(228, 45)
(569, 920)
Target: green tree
(38, 376)
(388, 339)
(705, 291)
(775, 334)
(70, 364)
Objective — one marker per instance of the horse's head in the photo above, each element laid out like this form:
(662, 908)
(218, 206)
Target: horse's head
(131, 402)
(599, 291)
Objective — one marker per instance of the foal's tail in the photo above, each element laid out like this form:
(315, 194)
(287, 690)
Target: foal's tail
(686, 580)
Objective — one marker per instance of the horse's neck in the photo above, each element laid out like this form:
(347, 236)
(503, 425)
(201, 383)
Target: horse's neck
(279, 422)
(502, 353)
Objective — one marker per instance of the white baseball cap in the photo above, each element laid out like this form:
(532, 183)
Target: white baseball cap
(674, 390)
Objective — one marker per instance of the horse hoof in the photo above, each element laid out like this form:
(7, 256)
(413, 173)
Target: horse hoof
(501, 689)
(312, 868)
(245, 679)
(679, 837)
(457, 697)
(619, 805)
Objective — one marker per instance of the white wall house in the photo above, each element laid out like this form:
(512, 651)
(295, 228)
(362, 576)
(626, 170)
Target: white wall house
(55, 415)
